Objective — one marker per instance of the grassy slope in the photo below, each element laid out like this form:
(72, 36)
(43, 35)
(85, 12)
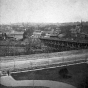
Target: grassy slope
(78, 74)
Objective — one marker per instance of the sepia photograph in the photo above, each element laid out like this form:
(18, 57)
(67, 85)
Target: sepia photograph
(43, 43)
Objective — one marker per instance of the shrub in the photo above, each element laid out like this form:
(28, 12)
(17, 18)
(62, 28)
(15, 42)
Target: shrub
(63, 72)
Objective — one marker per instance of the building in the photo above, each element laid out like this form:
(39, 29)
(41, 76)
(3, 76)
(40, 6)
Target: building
(37, 34)
(17, 35)
(3, 36)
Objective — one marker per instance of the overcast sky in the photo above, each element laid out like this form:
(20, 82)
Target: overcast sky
(12, 11)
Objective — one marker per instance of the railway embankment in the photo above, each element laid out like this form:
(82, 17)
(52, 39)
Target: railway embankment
(43, 61)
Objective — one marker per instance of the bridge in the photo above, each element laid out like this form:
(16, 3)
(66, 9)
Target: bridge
(23, 63)
(64, 44)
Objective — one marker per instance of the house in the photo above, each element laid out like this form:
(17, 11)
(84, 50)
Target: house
(3, 36)
(36, 34)
(17, 35)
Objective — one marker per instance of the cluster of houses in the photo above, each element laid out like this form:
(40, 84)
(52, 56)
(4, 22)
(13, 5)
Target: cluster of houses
(39, 33)
(19, 35)
(11, 35)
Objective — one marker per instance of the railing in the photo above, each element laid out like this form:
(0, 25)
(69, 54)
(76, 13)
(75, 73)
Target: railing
(10, 50)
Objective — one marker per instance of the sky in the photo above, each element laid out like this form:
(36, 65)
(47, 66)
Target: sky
(43, 11)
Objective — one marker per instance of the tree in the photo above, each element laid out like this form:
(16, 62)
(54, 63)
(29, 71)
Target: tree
(28, 32)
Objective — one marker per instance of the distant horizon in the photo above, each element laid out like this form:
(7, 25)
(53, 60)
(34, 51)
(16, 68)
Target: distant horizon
(41, 22)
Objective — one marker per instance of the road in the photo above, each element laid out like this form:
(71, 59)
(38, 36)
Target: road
(9, 81)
